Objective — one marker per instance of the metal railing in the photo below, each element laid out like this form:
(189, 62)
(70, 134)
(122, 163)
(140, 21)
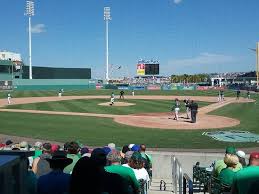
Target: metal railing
(177, 176)
(181, 182)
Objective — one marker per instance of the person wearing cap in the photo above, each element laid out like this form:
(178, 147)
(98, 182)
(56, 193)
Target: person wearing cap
(114, 160)
(247, 176)
(72, 152)
(136, 163)
(220, 164)
(241, 156)
(111, 145)
(227, 174)
(40, 165)
(55, 181)
(37, 149)
(24, 146)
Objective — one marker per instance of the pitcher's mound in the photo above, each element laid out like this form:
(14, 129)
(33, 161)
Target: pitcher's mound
(117, 104)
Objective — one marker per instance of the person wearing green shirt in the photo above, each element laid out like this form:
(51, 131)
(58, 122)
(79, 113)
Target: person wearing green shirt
(220, 164)
(72, 153)
(114, 159)
(245, 179)
(226, 175)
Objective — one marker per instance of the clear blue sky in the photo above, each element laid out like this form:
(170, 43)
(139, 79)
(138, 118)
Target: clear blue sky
(186, 36)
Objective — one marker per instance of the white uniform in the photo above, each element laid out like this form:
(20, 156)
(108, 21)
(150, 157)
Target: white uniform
(9, 98)
(133, 93)
(112, 99)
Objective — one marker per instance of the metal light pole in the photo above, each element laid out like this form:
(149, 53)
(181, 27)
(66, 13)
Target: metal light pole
(257, 64)
(107, 17)
(30, 13)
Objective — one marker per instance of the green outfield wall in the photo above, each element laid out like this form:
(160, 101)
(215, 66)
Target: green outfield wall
(53, 84)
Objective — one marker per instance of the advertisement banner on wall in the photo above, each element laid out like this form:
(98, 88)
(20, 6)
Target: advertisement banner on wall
(140, 69)
(188, 87)
(123, 88)
(99, 86)
(153, 87)
(6, 85)
(174, 87)
(167, 87)
(202, 88)
(138, 88)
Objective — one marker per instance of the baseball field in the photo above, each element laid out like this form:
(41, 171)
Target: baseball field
(145, 118)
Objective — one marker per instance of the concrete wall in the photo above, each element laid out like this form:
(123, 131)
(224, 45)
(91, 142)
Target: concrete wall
(162, 166)
(53, 84)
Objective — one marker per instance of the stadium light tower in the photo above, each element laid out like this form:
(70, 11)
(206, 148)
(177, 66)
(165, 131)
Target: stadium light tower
(107, 18)
(30, 13)
(257, 63)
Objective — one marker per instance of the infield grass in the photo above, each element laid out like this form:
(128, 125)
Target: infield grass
(91, 106)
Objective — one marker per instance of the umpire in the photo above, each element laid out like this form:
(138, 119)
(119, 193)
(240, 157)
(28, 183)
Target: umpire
(194, 110)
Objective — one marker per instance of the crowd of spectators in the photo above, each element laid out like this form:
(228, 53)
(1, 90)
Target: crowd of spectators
(234, 172)
(76, 169)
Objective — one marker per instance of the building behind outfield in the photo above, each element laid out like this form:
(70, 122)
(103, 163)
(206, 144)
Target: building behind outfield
(15, 75)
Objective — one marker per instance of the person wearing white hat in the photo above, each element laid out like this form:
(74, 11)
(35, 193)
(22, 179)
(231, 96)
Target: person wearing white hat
(241, 156)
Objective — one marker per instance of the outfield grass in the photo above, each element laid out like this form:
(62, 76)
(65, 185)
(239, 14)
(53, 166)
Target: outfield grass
(99, 131)
(91, 106)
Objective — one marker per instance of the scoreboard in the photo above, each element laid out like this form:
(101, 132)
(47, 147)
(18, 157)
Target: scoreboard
(148, 69)
(151, 69)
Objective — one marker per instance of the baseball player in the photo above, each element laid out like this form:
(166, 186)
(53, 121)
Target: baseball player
(187, 105)
(112, 99)
(176, 109)
(122, 94)
(9, 98)
(60, 93)
(238, 94)
(221, 95)
(133, 93)
(248, 94)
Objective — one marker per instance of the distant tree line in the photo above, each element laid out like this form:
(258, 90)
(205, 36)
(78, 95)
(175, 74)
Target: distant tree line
(185, 78)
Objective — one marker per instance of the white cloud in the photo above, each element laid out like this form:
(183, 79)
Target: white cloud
(203, 59)
(38, 28)
(177, 1)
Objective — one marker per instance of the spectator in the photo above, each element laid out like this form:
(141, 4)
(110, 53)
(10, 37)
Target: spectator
(147, 159)
(111, 145)
(107, 150)
(85, 177)
(40, 165)
(241, 156)
(24, 146)
(89, 174)
(114, 160)
(72, 152)
(135, 148)
(85, 152)
(8, 145)
(54, 148)
(56, 181)
(37, 149)
(30, 181)
(127, 157)
(136, 163)
(247, 176)
(219, 165)
(124, 150)
(227, 174)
